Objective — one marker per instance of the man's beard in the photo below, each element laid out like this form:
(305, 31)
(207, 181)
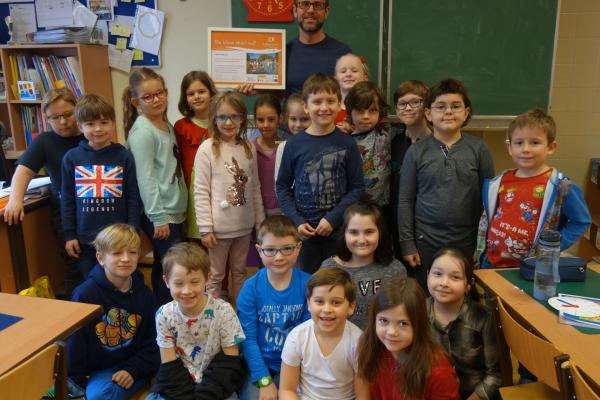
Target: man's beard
(317, 27)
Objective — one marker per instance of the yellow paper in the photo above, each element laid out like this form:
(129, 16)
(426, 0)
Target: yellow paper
(138, 55)
(120, 30)
(140, 1)
(121, 43)
(125, 1)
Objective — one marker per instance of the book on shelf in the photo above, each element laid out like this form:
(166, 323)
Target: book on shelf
(33, 122)
(47, 72)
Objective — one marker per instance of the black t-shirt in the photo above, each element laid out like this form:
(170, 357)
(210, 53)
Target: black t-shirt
(47, 151)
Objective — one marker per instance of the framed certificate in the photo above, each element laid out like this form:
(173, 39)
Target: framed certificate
(237, 56)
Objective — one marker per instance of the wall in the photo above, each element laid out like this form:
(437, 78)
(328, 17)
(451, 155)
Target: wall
(183, 47)
(575, 98)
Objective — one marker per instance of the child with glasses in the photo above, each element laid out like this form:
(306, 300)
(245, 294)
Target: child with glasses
(408, 101)
(151, 139)
(46, 151)
(270, 305)
(227, 191)
(439, 202)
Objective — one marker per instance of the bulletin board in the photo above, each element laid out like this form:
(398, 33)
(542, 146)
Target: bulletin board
(122, 8)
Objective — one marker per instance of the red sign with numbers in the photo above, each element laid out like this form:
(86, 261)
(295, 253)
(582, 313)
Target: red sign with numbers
(269, 10)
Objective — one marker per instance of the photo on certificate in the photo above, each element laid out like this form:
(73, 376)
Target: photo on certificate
(238, 56)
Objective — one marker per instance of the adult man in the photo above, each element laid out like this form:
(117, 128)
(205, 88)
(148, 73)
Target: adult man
(312, 51)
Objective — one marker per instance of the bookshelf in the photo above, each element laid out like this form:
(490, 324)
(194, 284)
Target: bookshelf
(90, 73)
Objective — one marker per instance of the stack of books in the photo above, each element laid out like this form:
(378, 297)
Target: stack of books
(63, 34)
(47, 72)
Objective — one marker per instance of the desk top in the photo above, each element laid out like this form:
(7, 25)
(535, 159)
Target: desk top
(583, 349)
(44, 321)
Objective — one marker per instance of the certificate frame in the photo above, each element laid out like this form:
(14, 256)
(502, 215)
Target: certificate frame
(238, 56)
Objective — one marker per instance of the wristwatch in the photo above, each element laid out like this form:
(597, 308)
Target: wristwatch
(264, 381)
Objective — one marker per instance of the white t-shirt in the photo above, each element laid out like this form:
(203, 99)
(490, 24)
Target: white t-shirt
(197, 340)
(321, 377)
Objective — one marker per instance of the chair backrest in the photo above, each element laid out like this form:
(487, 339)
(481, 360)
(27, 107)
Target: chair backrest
(582, 386)
(32, 378)
(538, 355)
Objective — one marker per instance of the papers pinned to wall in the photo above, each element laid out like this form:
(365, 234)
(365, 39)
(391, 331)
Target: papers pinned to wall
(148, 29)
(54, 12)
(120, 59)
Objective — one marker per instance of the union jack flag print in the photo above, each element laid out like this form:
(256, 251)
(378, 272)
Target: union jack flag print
(99, 181)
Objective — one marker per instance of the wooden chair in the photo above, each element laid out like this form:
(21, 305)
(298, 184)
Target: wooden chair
(581, 387)
(538, 355)
(33, 378)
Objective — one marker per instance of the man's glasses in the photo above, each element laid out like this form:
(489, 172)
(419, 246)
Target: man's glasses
(415, 103)
(235, 118)
(55, 118)
(285, 250)
(442, 107)
(316, 5)
(149, 98)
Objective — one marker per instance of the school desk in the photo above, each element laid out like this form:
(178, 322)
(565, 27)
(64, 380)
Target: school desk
(29, 249)
(43, 321)
(584, 349)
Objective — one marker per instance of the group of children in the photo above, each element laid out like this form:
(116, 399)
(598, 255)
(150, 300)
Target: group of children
(356, 196)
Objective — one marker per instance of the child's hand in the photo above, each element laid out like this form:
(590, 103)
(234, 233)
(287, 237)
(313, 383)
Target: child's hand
(72, 248)
(246, 89)
(345, 126)
(161, 232)
(268, 392)
(413, 260)
(123, 379)
(209, 240)
(306, 231)
(14, 212)
(324, 228)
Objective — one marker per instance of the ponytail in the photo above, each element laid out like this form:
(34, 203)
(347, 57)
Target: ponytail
(136, 77)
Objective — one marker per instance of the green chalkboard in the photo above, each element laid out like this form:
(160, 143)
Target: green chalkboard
(501, 49)
(354, 22)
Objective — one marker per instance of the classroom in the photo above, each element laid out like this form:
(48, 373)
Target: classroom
(284, 293)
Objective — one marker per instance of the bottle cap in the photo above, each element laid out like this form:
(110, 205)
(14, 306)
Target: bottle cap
(550, 238)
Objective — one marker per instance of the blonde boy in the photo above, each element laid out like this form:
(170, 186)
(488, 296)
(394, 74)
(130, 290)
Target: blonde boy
(521, 203)
(115, 350)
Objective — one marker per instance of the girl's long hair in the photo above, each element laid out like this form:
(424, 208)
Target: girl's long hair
(188, 79)
(422, 354)
(384, 253)
(236, 102)
(136, 77)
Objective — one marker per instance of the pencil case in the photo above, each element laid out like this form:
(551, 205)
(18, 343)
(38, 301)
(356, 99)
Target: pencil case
(570, 269)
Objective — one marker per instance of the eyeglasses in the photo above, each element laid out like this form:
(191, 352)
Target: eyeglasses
(149, 98)
(285, 250)
(316, 5)
(222, 118)
(55, 118)
(415, 103)
(442, 107)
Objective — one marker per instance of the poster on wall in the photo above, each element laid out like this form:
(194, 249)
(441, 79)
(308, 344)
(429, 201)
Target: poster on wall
(238, 56)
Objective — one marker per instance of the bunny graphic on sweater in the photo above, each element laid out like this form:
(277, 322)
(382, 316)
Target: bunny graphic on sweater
(236, 191)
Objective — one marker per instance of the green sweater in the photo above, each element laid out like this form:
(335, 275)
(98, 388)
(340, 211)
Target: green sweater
(162, 189)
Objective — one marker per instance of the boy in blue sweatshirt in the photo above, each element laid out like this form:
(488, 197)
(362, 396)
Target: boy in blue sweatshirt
(116, 350)
(99, 185)
(271, 303)
(320, 173)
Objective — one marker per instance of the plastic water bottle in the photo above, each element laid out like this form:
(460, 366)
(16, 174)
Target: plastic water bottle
(546, 266)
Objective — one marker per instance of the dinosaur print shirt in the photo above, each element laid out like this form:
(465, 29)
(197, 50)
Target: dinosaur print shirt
(197, 340)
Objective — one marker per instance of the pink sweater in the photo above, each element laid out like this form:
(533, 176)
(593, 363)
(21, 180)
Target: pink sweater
(265, 159)
(227, 191)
